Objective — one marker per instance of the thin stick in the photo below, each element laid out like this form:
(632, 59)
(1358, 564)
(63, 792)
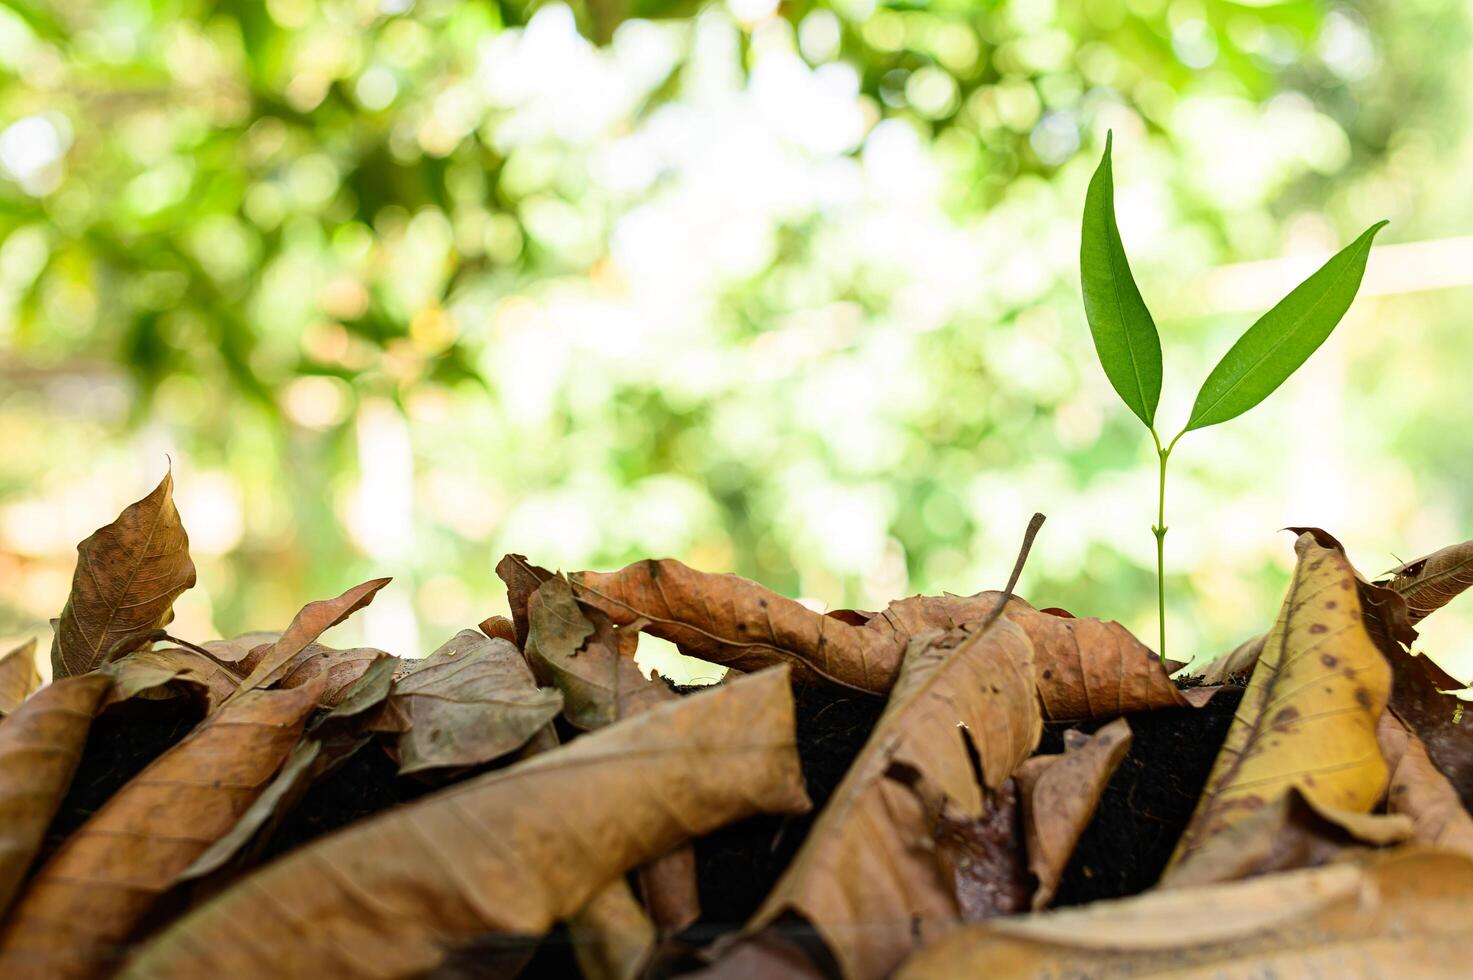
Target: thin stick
(1033, 525)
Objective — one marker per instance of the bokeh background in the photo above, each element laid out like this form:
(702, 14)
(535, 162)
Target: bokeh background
(789, 290)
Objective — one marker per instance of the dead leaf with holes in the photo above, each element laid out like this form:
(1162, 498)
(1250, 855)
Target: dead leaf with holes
(128, 575)
(315, 619)
(82, 905)
(963, 715)
(1059, 794)
(509, 852)
(18, 676)
(1398, 914)
(41, 743)
(471, 701)
(1420, 791)
(1308, 718)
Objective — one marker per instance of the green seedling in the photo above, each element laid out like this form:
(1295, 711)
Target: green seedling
(1263, 358)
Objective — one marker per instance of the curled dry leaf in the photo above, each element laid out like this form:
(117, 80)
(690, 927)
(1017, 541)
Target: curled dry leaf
(84, 901)
(471, 701)
(1308, 718)
(1418, 790)
(868, 877)
(522, 579)
(1432, 581)
(1091, 668)
(18, 676)
(508, 852)
(1402, 914)
(1088, 668)
(1289, 832)
(128, 575)
(500, 628)
(41, 743)
(315, 619)
(1059, 796)
(343, 668)
(158, 673)
(580, 653)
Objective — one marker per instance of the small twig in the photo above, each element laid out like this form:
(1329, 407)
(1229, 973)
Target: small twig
(1007, 593)
(187, 645)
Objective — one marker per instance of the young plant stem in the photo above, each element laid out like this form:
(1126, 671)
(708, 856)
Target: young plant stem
(1159, 530)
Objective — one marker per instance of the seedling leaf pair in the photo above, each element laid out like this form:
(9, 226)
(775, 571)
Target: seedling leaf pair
(1265, 356)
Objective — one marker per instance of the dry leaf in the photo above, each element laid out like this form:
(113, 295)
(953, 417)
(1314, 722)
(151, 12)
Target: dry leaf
(612, 937)
(471, 701)
(522, 579)
(1289, 832)
(342, 667)
(867, 877)
(1418, 790)
(1445, 729)
(84, 902)
(579, 653)
(157, 673)
(1060, 794)
(41, 743)
(729, 620)
(241, 654)
(1090, 668)
(670, 889)
(128, 575)
(508, 852)
(1432, 581)
(500, 628)
(18, 676)
(1308, 718)
(315, 619)
(1402, 914)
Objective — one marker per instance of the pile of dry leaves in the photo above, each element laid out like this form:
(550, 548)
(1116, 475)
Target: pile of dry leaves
(546, 788)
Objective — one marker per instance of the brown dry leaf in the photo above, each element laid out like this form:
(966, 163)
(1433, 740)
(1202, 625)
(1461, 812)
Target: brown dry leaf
(522, 579)
(159, 673)
(1059, 795)
(471, 701)
(1289, 832)
(315, 619)
(612, 937)
(670, 889)
(1402, 914)
(580, 653)
(509, 852)
(500, 628)
(1432, 581)
(41, 743)
(1091, 668)
(78, 911)
(1445, 729)
(868, 877)
(343, 668)
(128, 575)
(18, 676)
(241, 654)
(1308, 718)
(1421, 792)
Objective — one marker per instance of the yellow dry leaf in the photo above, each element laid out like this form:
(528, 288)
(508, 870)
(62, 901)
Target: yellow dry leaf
(1308, 719)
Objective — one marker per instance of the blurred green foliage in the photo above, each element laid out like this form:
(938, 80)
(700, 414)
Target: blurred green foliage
(789, 291)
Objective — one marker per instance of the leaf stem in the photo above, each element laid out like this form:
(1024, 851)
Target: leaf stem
(1159, 530)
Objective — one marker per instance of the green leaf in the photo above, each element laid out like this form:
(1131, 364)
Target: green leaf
(1124, 333)
(1283, 338)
